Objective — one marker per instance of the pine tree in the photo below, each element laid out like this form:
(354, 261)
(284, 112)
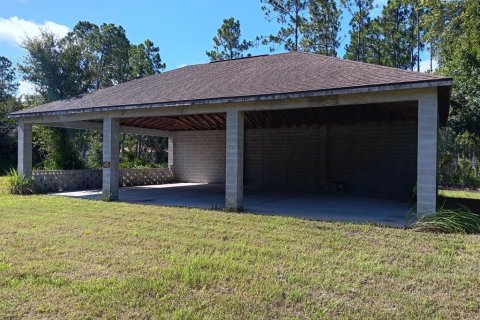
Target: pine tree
(227, 44)
(360, 11)
(289, 14)
(321, 29)
(8, 85)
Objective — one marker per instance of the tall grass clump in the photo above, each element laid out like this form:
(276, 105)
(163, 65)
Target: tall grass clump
(19, 183)
(451, 220)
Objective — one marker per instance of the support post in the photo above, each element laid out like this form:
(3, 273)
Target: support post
(111, 161)
(170, 152)
(24, 149)
(234, 161)
(427, 155)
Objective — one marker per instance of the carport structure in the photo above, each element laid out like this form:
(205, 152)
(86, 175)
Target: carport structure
(292, 120)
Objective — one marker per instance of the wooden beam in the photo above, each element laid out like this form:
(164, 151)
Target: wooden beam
(98, 126)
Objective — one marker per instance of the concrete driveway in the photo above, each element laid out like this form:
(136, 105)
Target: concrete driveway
(296, 204)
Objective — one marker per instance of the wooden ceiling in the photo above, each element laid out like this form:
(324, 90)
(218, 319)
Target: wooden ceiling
(392, 112)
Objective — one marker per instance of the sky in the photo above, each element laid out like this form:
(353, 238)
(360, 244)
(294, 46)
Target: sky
(182, 29)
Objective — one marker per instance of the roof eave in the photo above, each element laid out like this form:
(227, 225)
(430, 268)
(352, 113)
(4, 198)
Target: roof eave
(443, 82)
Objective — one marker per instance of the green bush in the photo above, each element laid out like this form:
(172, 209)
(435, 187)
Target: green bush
(460, 173)
(456, 220)
(19, 184)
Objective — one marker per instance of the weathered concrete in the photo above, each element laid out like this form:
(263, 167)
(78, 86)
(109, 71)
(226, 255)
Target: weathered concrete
(348, 96)
(296, 204)
(377, 159)
(67, 180)
(234, 160)
(71, 180)
(24, 149)
(427, 163)
(111, 158)
(427, 144)
(365, 157)
(199, 156)
(286, 158)
(145, 176)
(171, 152)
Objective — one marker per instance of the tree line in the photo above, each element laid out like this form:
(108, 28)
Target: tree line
(91, 57)
(88, 58)
(448, 31)
(395, 38)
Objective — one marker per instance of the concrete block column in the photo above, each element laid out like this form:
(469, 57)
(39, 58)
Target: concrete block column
(427, 156)
(170, 152)
(234, 160)
(111, 158)
(24, 149)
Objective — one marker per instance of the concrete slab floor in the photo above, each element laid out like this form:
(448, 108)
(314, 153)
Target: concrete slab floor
(296, 204)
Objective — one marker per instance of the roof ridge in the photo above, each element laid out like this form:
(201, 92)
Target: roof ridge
(433, 76)
(430, 75)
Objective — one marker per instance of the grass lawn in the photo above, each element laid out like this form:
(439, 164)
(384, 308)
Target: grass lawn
(460, 194)
(468, 198)
(67, 258)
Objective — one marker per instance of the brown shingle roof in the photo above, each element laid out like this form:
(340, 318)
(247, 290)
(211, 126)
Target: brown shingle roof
(256, 76)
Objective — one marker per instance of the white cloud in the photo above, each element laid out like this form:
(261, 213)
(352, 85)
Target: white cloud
(15, 30)
(425, 65)
(25, 88)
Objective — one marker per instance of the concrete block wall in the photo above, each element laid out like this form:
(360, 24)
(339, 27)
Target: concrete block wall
(377, 159)
(199, 156)
(71, 180)
(67, 180)
(286, 157)
(145, 177)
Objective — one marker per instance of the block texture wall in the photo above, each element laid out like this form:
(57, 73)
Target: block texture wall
(199, 156)
(286, 157)
(376, 159)
(70, 180)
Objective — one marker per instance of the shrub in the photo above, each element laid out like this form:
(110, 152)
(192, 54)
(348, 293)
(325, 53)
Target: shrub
(19, 183)
(456, 220)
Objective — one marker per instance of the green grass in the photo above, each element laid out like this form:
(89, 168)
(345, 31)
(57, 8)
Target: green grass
(79, 259)
(461, 194)
(459, 219)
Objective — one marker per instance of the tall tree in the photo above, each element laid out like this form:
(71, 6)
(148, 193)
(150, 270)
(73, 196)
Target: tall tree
(144, 59)
(105, 52)
(88, 58)
(376, 44)
(394, 38)
(227, 44)
(418, 12)
(459, 57)
(8, 85)
(53, 66)
(398, 35)
(321, 30)
(453, 28)
(434, 21)
(290, 15)
(360, 11)
(8, 103)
